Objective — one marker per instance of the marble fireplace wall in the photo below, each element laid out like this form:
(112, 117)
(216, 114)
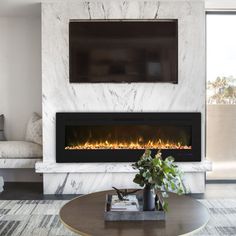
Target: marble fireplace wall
(60, 96)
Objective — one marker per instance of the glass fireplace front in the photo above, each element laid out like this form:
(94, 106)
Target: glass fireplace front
(85, 137)
(123, 137)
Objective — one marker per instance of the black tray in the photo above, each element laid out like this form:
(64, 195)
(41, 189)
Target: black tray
(131, 215)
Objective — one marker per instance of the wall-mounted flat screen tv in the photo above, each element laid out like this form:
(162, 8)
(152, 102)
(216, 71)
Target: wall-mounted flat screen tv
(123, 51)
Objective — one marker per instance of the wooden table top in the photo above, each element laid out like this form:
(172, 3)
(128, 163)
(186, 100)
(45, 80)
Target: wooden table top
(84, 215)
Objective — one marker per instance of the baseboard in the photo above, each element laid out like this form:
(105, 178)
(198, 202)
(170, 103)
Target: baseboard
(221, 181)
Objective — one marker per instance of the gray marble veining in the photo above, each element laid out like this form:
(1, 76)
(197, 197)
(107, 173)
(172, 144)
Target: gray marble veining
(51, 167)
(83, 183)
(61, 96)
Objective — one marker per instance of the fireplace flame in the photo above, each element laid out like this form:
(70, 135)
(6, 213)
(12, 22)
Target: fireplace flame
(159, 144)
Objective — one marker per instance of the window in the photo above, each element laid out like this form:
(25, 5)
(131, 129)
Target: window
(221, 94)
(221, 58)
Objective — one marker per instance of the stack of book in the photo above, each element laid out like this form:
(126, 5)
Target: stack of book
(129, 204)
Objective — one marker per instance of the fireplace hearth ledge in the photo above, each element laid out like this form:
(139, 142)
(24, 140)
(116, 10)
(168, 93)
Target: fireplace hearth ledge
(50, 167)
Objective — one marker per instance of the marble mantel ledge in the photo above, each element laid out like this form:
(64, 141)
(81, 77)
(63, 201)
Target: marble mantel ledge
(19, 163)
(49, 167)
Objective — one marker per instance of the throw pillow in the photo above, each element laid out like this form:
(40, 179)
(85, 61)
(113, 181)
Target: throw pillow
(34, 129)
(2, 136)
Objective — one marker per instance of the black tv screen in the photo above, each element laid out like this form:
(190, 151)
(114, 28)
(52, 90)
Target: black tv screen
(123, 51)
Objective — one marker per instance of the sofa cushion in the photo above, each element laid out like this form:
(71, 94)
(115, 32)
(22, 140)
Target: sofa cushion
(34, 129)
(20, 149)
(2, 136)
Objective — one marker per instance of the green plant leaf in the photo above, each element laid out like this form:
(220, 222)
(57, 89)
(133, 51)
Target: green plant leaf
(165, 206)
(150, 179)
(159, 173)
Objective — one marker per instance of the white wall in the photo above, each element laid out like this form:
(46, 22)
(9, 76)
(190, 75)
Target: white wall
(20, 72)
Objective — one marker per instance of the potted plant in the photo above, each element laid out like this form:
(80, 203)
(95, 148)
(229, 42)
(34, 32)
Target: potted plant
(156, 174)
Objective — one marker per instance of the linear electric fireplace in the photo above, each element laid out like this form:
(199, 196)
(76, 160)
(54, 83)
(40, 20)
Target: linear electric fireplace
(123, 137)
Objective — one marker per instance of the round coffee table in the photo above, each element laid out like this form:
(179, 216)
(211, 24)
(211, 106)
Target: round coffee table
(84, 215)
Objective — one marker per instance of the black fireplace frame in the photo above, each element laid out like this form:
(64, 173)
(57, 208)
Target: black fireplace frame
(126, 155)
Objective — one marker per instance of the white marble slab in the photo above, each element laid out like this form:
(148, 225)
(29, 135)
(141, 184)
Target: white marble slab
(84, 183)
(18, 163)
(59, 95)
(47, 167)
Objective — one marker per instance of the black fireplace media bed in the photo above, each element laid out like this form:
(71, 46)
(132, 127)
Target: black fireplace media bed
(123, 137)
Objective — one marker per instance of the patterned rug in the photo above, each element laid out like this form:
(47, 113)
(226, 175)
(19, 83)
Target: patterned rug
(40, 218)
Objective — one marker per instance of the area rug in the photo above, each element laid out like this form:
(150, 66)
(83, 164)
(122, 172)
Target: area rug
(40, 218)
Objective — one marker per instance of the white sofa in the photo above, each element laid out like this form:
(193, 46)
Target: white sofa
(23, 154)
(19, 154)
